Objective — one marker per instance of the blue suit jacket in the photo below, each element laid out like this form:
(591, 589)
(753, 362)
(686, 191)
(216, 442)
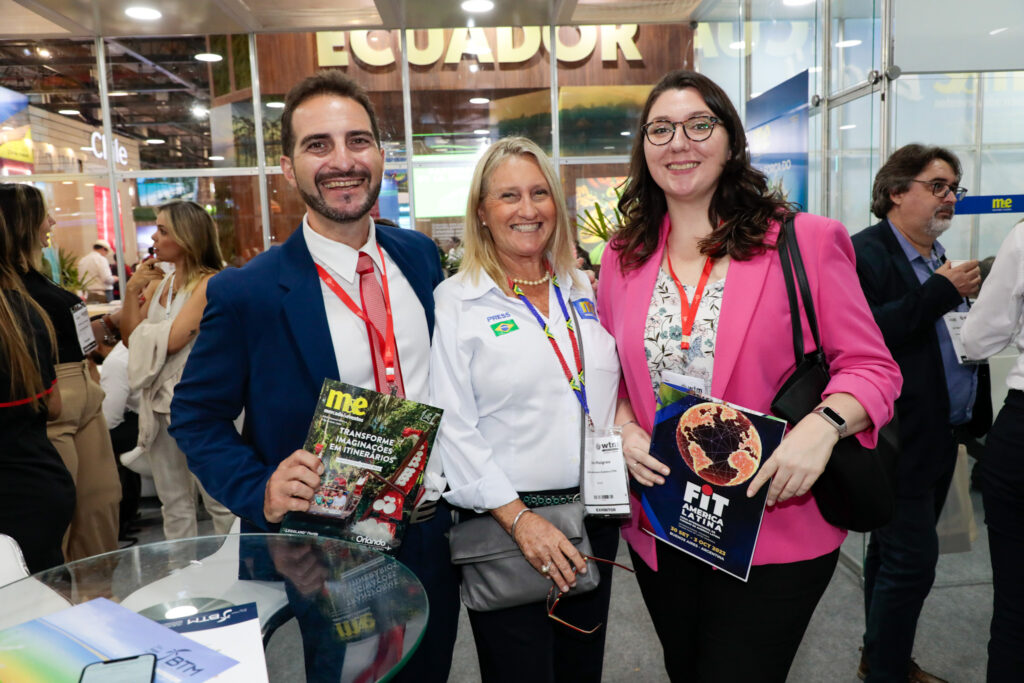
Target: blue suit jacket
(264, 345)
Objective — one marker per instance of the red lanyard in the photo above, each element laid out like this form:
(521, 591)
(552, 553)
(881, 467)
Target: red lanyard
(387, 341)
(690, 312)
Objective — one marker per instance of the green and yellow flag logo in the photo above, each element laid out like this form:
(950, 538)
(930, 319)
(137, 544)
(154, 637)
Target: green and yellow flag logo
(504, 327)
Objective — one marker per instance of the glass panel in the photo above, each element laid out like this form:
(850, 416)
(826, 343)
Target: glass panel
(371, 58)
(1003, 95)
(475, 85)
(814, 194)
(718, 54)
(233, 201)
(780, 50)
(935, 109)
(439, 194)
(604, 76)
(853, 162)
(181, 111)
(50, 115)
(1002, 172)
(856, 41)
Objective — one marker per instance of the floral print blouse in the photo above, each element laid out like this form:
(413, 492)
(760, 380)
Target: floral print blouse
(664, 331)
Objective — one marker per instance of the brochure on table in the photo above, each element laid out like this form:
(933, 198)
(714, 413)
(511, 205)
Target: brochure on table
(56, 648)
(232, 631)
(374, 448)
(713, 450)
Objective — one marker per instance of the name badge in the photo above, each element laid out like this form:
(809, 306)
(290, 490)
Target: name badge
(605, 486)
(695, 385)
(86, 339)
(954, 323)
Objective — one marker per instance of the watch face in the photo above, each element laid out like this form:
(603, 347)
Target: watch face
(833, 415)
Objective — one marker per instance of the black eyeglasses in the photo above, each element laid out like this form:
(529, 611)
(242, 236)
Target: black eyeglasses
(941, 189)
(698, 128)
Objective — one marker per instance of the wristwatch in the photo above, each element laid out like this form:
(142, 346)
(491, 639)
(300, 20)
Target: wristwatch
(833, 418)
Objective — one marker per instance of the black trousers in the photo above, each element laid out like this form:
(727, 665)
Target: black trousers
(522, 644)
(715, 628)
(1003, 495)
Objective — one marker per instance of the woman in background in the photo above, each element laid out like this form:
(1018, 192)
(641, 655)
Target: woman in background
(159, 323)
(692, 284)
(37, 494)
(994, 322)
(80, 432)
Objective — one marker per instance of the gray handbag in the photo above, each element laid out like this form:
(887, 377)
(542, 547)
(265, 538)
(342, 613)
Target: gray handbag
(496, 575)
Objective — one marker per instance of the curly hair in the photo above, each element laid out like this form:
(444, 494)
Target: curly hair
(742, 207)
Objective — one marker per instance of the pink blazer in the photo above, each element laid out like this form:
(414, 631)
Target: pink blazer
(754, 356)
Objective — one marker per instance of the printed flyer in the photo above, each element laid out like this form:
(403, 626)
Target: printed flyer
(374, 448)
(713, 450)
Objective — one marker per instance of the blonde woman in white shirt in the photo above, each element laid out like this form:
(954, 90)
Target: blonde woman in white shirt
(159, 324)
(994, 322)
(510, 437)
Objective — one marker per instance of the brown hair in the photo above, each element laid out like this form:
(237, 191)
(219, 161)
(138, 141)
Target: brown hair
(194, 230)
(326, 82)
(18, 350)
(741, 207)
(899, 169)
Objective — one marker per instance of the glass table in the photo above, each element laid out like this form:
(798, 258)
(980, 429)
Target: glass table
(328, 610)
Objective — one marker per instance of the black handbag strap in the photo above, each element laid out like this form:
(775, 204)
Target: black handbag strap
(792, 262)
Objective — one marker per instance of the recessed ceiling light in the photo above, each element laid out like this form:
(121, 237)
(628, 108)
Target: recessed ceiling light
(68, 112)
(208, 57)
(67, 182)
(90, 184)
(849, 126)
(143, 13)
(478, 100)
(997, 31)
(625, 133)
(796, 3)
(78, 199)
(43, 52)
(56, 208)
(477, 6)
(199, 111)
(155, 141)
(118, 93)
(848, 43)
(609, 147)
(481, 131)
(216, 157)
(275, 105)
(85, 149)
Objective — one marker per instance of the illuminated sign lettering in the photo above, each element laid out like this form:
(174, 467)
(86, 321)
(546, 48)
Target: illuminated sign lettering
(98, 147)
(511, 46)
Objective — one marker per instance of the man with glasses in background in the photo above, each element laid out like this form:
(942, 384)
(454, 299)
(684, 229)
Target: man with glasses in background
(914, 293)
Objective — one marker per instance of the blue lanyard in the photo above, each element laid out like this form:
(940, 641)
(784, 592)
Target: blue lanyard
(576, 383)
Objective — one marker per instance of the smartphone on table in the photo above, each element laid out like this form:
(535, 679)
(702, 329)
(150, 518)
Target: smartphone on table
(137, 669)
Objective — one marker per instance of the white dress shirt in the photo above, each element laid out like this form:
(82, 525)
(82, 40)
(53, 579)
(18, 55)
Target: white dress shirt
(348, 331)
(114, 382)
(996, 318)
(94, 270)
(511, 422)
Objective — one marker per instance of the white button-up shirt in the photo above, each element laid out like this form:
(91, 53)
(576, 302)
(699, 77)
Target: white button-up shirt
(511, 422)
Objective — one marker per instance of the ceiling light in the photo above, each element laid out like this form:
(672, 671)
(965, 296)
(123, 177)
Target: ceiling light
(216, 157)
(849, 126)
(797, 3)
(85, 149)
(478, 100)
(275, 105)
(90, 184)
(43, 52)
(119, 93)
(473, 68)
(68, 112)
(847, 43)
(208, 57)
(143, 13)
(67, 182)
(78, 199)
(737, 45)
(155, 141)
(8, 128)
(625, 133)
(481, 131)
(477, 6)
(997, 31)
(609, 146)
(199, 111)
(56, 208)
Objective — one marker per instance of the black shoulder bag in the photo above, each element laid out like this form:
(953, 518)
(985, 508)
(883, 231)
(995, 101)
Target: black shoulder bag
(857, 489)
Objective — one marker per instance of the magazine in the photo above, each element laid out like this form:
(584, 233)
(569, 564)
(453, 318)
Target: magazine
(232, 631)
(56, 648)
(713, 449)
(374, 448)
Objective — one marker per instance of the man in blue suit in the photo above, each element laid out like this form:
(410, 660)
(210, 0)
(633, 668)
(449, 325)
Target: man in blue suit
(275, 329)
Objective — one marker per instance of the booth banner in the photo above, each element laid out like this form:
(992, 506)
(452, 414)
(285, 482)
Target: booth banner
(777, 133)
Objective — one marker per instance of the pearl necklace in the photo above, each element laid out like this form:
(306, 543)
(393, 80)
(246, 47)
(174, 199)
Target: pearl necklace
(540, 281)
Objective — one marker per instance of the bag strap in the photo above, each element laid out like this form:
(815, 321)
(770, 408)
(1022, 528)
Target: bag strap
(792, 262)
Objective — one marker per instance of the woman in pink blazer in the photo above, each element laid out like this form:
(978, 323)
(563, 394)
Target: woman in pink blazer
(699, 216)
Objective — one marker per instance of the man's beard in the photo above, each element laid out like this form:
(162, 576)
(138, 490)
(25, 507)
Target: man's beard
(937, 225)
(316, 202)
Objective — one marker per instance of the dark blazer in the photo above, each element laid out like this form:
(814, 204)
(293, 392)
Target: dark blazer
(906, 312)
(264, 345)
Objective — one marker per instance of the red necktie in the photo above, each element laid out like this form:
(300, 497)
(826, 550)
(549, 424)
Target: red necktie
(372, 299)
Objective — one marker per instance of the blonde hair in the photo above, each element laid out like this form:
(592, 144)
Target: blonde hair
(479, 253)
(193, 229)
